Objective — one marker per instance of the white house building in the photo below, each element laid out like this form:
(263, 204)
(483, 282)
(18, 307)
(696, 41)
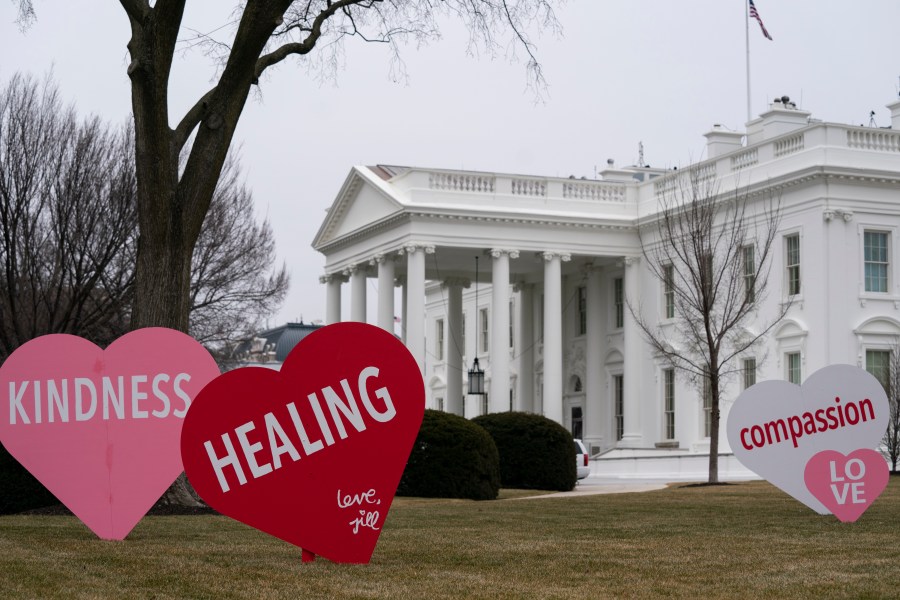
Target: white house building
(558, 258)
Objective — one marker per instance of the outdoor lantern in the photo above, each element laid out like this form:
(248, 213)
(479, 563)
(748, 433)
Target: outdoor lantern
(476, 379)
(476, 375)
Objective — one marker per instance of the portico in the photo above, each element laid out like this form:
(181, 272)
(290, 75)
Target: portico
(544, 286)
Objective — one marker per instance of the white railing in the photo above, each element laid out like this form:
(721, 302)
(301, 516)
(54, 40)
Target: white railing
(789, 145)
(689, 180)
(462, 182)
(529, 187)
(745, 159)
(874, 139)
(594, 190)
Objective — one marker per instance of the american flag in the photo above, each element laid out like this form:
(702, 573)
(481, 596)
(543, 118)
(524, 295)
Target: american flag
(755, 15)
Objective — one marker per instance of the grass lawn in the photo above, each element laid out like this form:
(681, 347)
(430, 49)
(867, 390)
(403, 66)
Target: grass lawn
(746, 540)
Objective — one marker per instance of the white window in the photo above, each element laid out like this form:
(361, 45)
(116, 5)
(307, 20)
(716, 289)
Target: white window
(792, 367)
(485, 324)
(619, 301)
(439, 403)
(707, 407)
(749, 372)
(792, 263)
(878, 363)
(619, 404)
(875, 256)
(511, 319)
(748, 255)
(582, 310)
(669, 291)
(463, 341)
(439, 339)
(669, 402)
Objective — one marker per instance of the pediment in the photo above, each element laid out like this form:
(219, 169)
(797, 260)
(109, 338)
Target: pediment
(881, 325)
(362, 201)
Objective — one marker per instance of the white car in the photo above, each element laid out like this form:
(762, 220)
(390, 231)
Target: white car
(582, 460)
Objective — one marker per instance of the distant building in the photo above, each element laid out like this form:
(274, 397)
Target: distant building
(269, 348)
(558, 257)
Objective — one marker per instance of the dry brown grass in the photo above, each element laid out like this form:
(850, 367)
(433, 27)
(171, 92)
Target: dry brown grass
(745, 540)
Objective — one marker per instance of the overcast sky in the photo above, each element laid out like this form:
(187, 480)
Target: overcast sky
(623, 72)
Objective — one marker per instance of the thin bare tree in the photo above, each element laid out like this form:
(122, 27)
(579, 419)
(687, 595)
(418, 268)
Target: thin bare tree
(890, 379)
(711, 254)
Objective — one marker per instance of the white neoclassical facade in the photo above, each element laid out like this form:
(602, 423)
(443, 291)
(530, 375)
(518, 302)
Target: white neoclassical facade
(558, 259)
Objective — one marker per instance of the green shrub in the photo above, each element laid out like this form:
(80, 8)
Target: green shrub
(19, 490)
(452, 458)
(535, 452)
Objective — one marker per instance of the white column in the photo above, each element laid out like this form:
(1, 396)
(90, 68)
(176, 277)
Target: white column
(498, 397)
(415, 301)
(553, 359)
(632, 437)
(455, 370)
(401, 282)
(332, 283)
(595, 415)
(524, 400)
(357, 275)
(385, 265)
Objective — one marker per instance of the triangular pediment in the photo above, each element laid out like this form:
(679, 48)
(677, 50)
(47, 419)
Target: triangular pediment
(362, 201)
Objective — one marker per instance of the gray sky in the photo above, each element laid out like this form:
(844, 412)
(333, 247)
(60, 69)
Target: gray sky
(624, 71)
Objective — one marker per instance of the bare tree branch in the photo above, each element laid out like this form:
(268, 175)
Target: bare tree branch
(712, 253)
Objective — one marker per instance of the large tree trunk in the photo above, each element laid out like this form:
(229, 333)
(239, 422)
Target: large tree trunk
(173, 205)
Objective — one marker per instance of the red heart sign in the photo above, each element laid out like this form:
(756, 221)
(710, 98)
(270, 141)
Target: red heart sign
(100, 428)
(313, 454)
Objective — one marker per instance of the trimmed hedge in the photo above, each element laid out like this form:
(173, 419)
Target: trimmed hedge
(535, 452)
(19, 490)
(451, 458)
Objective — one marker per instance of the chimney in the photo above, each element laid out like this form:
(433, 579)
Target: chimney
(611, 173)
(720, 141)
(782, 117)
(894, 107)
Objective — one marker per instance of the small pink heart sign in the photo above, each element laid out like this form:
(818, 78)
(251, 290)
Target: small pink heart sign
(101, 428)
(312, 454)
(794, 436)
(846, 485)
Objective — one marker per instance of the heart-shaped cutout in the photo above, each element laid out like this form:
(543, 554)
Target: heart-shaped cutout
(775, 427)
(100, 428)
(313, 454)
(846, 485)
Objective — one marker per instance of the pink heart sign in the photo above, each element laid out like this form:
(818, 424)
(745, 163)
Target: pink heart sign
(846, 485)
(775, 428)
(100, 428)
(313, 454)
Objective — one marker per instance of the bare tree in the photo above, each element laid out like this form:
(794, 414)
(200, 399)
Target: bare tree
(889, 376)
(67, 220)
(710, 252)
(69, 231)
(233, 284)
(172, 203)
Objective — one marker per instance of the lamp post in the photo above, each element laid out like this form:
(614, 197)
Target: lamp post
(476, 374)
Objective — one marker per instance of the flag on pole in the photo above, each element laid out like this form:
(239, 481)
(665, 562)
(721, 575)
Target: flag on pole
(755, 14)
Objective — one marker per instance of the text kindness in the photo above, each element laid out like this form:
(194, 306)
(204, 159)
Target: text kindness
(333, 415)
(83, 398)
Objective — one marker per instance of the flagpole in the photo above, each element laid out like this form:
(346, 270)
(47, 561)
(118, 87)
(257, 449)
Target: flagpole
(747, 39)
